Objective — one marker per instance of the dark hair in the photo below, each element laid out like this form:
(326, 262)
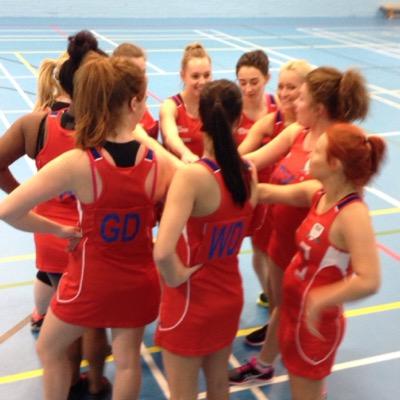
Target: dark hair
(219, 108)
(257, 59)
(79, 45)
(344, 95)
(360, 155)
(103, 85)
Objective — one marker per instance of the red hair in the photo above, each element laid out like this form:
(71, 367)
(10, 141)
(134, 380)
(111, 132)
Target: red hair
(360, 155)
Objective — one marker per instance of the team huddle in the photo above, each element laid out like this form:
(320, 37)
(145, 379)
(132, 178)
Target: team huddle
(224, 161)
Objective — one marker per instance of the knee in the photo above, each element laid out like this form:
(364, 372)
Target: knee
(43, 351)
(127, 361)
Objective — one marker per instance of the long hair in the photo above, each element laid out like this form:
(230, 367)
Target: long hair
(103, 86)
(220, 107)
(48, 86)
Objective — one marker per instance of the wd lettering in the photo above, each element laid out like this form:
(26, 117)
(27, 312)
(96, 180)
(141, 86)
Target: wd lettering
(124, 228)
(226, 240)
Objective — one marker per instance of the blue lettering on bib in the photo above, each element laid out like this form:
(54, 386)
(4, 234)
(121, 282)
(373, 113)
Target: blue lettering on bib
(226, 240)
(116, 227)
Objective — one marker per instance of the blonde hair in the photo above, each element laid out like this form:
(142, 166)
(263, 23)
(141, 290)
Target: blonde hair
(102, 86)
(300, 67)
(193, 50)
(48, 86)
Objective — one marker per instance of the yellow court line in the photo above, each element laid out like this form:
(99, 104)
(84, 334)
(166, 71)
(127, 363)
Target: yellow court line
(385, 211)
(21, 257)
(27, 64)
(372, 309)
(155, 349)
(17, 284)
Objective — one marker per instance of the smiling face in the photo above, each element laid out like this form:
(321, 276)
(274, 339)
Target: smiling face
(196, 74)
(251, 82)
(289, 89)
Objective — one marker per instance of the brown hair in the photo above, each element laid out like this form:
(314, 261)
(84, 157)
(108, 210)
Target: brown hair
(257, 59)
(128, 50)
(193, 50)
(102, 87)
(360, 155)
(344, 95)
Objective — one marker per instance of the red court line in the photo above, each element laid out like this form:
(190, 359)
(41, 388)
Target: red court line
(389, 252)
(57, 29)
(154, 96)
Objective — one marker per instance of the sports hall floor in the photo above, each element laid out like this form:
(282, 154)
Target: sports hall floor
(368, 363)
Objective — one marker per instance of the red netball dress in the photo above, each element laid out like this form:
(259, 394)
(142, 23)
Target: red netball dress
(51, 254)
(316, 263)
(150, 125)
(111, 279)
(285, 219)
(201, 316)
(189, 128)
(246, 123)
(262, 235)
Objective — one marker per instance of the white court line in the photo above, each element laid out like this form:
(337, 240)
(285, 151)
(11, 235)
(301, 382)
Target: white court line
(356, 42)
(386, 101)
(213, 37)
(31, 76)
(30, 39)
(393, 93)
(115, 44)
(256, 392)
(384, 196)
(376, 192)
(238, 47)
(24, 111)
(251, 44)
(28, 101)
(284, 56)
(4, 119)
(158, 375)
(388, 134)
(16, 86)
(29, 161)
(337, 367)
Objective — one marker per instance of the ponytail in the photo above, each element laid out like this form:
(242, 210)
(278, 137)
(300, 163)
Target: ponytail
(361, 156)
(46, 85)
(220, 107)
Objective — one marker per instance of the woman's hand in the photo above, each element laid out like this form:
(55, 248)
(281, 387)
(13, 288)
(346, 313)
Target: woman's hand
(188, 157)
(72, 233)
(313, 310)
(182, 275)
